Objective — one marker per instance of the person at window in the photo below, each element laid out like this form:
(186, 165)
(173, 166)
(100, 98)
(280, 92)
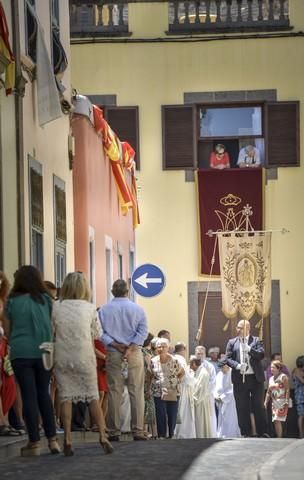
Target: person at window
(249, 156)
(219, 158)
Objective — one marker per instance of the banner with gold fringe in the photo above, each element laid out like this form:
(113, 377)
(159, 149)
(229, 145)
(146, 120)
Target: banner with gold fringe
(245, 263)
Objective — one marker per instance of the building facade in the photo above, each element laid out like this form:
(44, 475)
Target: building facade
(46, 237)
(174, 61)
(8, 160)
(104, 237)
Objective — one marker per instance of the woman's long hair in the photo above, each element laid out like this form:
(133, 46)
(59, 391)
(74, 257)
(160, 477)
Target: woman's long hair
(28, 280)
(75, 287)
(4, 286)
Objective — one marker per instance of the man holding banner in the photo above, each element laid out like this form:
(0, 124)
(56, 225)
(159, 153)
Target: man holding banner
(244, 355)
(246, 289)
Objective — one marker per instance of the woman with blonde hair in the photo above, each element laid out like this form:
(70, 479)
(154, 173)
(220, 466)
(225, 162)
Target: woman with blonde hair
(76, 326)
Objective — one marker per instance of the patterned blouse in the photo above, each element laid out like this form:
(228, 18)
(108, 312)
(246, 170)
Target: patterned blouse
(164, 376)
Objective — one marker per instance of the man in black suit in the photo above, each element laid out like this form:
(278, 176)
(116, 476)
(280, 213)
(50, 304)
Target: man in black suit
(244, 355)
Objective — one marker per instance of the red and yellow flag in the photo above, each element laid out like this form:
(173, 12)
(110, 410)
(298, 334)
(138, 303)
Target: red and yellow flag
(121, 156)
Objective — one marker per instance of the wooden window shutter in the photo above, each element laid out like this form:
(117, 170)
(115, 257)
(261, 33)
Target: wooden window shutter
(283, 134)
(179, 136)
(125, 123)
(36, 185)
(60, 214)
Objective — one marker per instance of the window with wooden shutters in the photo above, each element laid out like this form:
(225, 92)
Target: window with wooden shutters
(283, 134)
(36, 220)
(125, 123)
(60, 214)
(60, 229)
(36, 194)
(179, 136)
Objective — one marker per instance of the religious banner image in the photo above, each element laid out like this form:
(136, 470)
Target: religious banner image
(245, 262)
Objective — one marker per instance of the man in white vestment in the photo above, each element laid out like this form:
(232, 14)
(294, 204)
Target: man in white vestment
(202, 406)
(186, 426)
(227, 416)
(200, 353)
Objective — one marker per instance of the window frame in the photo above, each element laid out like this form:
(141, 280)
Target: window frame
(35, 230)
(223, 106)
(26, 32)
(59, 244)
(221, 139)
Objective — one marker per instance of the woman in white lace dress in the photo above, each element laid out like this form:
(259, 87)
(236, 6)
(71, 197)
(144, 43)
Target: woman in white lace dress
(76, 326)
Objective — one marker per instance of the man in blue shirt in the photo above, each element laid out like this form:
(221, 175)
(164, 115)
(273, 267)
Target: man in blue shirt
(125, 329)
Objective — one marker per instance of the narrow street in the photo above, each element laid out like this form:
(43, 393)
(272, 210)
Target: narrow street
(237, 459)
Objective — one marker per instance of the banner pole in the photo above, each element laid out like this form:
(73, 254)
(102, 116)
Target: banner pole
(200, 329)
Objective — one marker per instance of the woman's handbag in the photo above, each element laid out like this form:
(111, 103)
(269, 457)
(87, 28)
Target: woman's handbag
(47, 355)
(169, 395)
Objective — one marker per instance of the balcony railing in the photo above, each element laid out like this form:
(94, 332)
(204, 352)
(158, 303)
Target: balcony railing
(97, 19)
(228, 16)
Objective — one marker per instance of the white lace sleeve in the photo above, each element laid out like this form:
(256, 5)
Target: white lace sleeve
(95, 326)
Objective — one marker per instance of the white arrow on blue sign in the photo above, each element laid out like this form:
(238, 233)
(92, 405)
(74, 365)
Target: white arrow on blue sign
(148, 280)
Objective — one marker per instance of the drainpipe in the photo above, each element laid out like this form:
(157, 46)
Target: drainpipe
(19, 132)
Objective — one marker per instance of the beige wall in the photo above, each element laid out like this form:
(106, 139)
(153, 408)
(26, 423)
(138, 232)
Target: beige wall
(9, 175)
(152, 74)
(48, 145)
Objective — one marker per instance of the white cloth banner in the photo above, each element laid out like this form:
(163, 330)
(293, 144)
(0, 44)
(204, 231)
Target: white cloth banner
(245, 263)
(49, 107)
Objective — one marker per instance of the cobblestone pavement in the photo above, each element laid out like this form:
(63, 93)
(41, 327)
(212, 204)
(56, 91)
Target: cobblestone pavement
(237, 459)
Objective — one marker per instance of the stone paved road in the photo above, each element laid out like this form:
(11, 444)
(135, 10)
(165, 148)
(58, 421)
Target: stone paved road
(237, 459)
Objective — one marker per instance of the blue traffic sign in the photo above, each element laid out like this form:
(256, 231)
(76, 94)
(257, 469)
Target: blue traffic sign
(148, 280)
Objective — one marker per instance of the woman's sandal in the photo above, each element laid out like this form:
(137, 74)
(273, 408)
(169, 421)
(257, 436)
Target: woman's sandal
(32, 449)
(54, 446)
(106, 445)
(8, 431)
(68, 450)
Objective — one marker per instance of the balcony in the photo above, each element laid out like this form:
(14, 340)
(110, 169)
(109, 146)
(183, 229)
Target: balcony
(98, 19)
(228, 16)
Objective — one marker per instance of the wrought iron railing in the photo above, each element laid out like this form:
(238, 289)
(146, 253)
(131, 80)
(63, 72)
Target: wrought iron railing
(213, 16)
(98, 19)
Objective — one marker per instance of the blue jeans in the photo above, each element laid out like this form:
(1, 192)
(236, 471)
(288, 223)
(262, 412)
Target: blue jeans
(34, 383)
(166, 415)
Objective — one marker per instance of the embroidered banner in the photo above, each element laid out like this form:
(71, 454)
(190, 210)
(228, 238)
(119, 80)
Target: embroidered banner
(245, 263)
(223, 196)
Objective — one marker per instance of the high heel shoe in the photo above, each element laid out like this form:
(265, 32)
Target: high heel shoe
(68, 450)
(32, 449)
(54, 446)
(106, 445)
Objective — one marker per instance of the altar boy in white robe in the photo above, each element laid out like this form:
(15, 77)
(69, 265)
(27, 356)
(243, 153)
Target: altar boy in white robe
(202, 406)
(200, 352)
(227, 416)
(185, 428)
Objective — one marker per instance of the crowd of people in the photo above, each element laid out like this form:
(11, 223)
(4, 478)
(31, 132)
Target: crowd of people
(59, 355)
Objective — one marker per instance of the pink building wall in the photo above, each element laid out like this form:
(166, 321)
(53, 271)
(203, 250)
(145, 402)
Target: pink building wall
(96, 206)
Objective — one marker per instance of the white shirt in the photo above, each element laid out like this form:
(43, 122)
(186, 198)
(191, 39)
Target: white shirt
(244, 357)
(247, 160)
